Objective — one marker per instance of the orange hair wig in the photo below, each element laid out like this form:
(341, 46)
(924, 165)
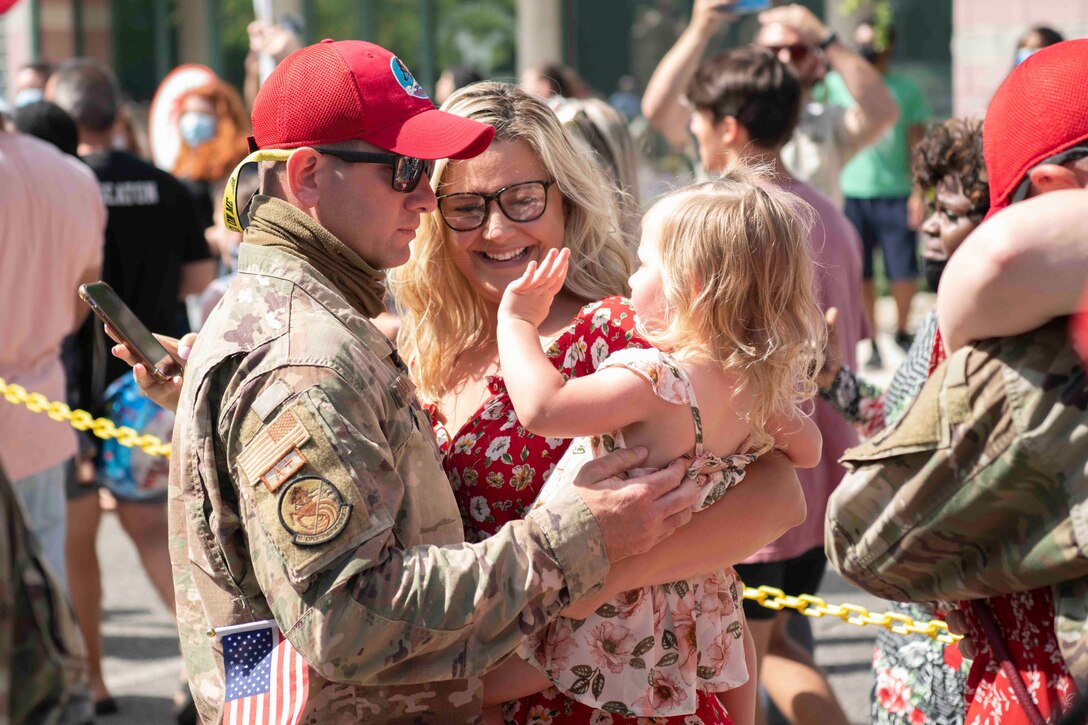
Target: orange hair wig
(214, 160)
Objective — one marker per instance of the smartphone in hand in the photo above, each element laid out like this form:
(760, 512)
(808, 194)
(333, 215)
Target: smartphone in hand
(743, 7)
(134, 334)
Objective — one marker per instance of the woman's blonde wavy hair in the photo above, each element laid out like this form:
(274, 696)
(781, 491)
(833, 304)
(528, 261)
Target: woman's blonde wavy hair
(739, 290)
(441, 315)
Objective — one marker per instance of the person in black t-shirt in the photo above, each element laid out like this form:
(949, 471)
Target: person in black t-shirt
(155, 255)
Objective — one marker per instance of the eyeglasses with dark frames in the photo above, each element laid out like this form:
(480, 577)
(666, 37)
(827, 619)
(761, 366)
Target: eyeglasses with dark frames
(522, 202)
(407, 170)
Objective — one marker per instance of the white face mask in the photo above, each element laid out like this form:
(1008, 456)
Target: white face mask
(196, 128)
(27, 96)
(1023, 54)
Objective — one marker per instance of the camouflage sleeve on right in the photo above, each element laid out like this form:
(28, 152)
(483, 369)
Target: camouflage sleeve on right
(979, 489)
(340, 546)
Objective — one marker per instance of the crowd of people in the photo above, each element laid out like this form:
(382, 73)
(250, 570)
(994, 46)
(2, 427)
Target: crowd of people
(469, 437)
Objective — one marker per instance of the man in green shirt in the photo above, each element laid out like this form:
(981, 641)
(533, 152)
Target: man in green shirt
(876, 184)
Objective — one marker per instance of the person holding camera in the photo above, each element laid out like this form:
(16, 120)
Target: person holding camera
(827, 135)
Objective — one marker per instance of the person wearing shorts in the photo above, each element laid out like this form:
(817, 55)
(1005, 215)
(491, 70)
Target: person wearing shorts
(880, 198)
(883, 225)
(137, 483)
(800, 575)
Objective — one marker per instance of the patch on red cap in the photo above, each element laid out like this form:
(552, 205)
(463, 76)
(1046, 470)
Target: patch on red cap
(350, 89)
(1040, 110)
(405, 78)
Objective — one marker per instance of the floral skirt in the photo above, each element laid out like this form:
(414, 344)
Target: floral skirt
(917, 680)
(551, 707)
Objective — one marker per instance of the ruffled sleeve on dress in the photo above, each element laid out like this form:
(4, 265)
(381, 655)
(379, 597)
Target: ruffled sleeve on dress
(662, 373)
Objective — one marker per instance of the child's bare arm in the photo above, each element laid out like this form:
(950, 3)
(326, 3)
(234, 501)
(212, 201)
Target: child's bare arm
(512, 680)
(545, 403)
(799, 438)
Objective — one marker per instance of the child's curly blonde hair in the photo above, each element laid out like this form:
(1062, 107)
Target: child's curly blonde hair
(739, 288)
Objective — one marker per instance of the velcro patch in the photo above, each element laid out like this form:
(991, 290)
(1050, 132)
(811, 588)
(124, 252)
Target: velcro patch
(313, 510)
(273, 455)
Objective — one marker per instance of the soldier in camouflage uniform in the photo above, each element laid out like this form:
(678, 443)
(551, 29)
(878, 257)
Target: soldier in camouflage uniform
(43, 665)
(305, 482)
(979, 490)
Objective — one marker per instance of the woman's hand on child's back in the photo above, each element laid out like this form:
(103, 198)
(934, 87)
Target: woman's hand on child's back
(529, 297)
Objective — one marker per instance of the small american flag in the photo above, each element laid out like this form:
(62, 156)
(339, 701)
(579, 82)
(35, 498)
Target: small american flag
(266, 678)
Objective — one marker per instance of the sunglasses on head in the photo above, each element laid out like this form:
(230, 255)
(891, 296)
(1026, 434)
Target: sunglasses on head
(798, 51)
(407, 170)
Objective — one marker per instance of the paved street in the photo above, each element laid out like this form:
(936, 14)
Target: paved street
(143, 668)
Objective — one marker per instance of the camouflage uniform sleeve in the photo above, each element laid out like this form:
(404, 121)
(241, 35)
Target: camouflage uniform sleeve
(979, 489)
(339, 488)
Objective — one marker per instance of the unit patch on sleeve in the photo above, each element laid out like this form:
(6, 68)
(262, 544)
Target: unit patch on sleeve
(313, 510)
(273, 456)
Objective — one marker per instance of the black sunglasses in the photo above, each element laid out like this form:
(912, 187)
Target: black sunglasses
(798, 51)
(523, 202)
(407, 170)
(1076, 153)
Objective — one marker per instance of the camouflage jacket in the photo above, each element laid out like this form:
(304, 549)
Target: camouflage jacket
(43, 665)
(305, 486)
(980, 488)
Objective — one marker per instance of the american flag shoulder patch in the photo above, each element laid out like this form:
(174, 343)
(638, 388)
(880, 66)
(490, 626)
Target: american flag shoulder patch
(273, 455)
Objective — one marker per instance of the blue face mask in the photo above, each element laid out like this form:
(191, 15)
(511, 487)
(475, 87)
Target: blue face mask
(196, 128)
(27, 96)
(1023, 54)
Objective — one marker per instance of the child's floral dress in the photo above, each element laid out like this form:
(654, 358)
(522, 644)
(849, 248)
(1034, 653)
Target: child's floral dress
(650, 650)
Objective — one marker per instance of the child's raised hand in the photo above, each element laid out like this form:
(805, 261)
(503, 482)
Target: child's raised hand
(529, 297)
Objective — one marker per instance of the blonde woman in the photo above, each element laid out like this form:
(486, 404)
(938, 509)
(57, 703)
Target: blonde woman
(605, 130)
(532, 192)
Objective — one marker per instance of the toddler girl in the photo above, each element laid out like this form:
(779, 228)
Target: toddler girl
(725, 293)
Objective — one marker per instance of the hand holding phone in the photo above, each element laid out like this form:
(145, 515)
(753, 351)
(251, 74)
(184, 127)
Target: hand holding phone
(132, 333)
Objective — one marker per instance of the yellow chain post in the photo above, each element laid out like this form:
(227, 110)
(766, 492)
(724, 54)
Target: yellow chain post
(770, 597)
(82, 420)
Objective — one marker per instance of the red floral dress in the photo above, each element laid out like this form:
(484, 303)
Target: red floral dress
(497, 468)
(1026, 621)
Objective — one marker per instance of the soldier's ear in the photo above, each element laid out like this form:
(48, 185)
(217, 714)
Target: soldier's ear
(1052, 177)
(302, 169)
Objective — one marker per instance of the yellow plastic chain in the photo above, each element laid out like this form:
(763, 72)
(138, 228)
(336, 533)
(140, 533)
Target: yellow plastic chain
(807, 604)
(82, 420)
(813, 606)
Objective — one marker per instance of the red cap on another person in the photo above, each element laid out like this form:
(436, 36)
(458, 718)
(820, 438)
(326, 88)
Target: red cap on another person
(349, 89)
(1040, 110)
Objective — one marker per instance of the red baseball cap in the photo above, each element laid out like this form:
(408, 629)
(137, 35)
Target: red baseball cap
(349, 89)
(1038, 112)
